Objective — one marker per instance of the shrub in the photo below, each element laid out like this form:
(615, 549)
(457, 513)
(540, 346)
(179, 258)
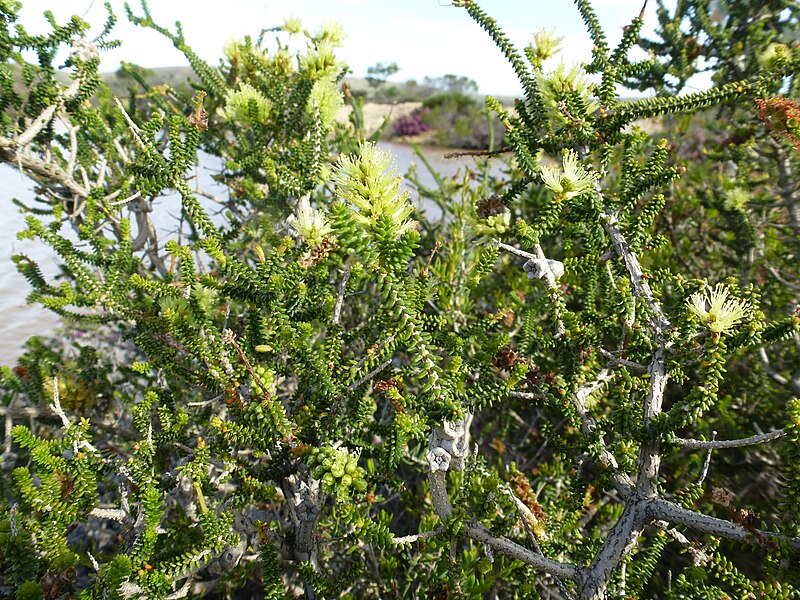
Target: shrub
(321, 392)
(412, 123)
(460, 121)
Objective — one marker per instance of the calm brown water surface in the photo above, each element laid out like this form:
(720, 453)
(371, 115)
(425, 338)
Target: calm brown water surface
(21, 321)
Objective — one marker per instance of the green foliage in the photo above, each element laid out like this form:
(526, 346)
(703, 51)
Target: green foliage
(306, 385)
(459, 121)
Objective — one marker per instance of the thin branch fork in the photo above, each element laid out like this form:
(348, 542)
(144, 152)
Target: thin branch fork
(45, 117)
(622, 362)
(549, 277)
(40, 169)
(588, 425)
(699, 557)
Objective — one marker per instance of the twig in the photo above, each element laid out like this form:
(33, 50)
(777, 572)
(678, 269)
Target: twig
(409, 539)
(45, 116)
(48, 172)
(134, 128)
(546, 271)
(706, 463)
(616, 360)
(480, 533)
(781, 280)
(516, 251)
(527, 517)
(642, 289)
(114, 514)
(588, 426)
(206, 402)
(442, 454)
(717, 444)
(337, 308)
(101, 172)
(73, 149)
(133, 196)
(775, 376)
(367, 356)
(699, 557)
(9, 426)
(537, 395)
(502, 150)
(369, 375)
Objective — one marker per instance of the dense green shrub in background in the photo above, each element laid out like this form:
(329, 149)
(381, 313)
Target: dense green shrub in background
(460, 121)
(563, 387)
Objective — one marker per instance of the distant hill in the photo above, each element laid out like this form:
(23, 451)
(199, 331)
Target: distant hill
(176, 77)
(391, 92)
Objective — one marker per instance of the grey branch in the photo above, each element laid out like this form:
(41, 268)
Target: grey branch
(616, 360)
(642, 289)
(337, 308)
(42, 170)
(594, 580)
(539, 266)
(444, 443)
(479, 533)
(664, 510)
(718, 444)
(588, 426)
(409, 539)
(516, 251)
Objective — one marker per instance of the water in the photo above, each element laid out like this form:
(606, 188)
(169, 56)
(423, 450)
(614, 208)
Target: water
(22, 321)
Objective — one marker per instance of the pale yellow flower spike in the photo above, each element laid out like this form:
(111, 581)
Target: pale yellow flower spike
(371, 185)
(572, 181)
(716, 311)
(308, 223)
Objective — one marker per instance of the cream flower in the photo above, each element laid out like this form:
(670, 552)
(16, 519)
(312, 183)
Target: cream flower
(293, 25)
(562, 83)
(333, 32)
(320, 60)
(716, 311)
(484, 230)
(736, 198)
(545, 44)
(329, 100)
(572, 181)
(246, 105)
(308, 223)
(371, 185)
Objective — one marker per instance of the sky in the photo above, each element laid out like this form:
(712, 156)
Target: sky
(424, 37)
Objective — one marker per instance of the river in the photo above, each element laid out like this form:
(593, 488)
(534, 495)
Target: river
(22, 321)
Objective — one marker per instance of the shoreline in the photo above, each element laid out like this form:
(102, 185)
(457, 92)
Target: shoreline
(374, 114)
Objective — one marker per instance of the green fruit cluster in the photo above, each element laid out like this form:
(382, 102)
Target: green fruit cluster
(338, 470)
(266, 382)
